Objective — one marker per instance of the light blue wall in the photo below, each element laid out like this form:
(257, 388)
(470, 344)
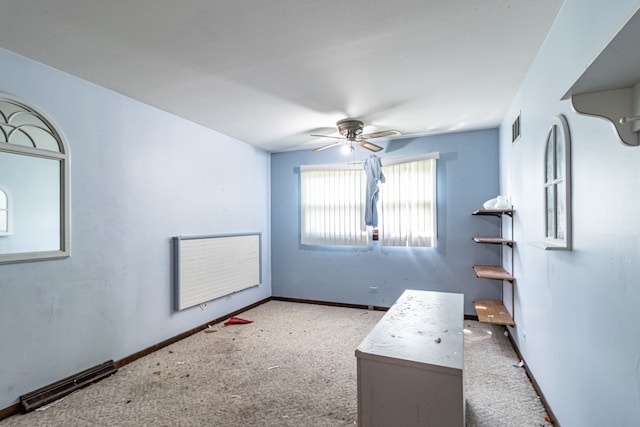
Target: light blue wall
(138, 177)
(577, 312)
(467, 176)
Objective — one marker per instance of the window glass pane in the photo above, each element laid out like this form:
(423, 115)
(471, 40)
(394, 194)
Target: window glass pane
(332, 207)
(20, 137)
(561, 207)
(560, 155)
(551, 215)
(407, 208)
(43, 139)
(20, 126)
(3, 200)
(27, 118)
(7, 108)
(3, 221)
(550, 156)
(4, 132)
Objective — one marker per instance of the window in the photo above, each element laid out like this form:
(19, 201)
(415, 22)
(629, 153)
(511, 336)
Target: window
(333, 203)
(34, 172)
(332, 206)
(557, 186)
(407, 204)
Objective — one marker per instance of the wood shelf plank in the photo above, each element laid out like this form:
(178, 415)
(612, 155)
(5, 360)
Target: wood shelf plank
(492, 311)
(494, 212)
(494, 240)
(492, 272)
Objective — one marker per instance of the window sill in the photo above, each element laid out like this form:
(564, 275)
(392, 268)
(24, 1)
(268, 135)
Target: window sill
(550, 246)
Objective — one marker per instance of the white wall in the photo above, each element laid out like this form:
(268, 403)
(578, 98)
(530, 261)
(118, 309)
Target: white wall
(138, 177)
(576, 311)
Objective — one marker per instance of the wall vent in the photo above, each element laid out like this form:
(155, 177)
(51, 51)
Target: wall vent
(60, 389)
(515, 129)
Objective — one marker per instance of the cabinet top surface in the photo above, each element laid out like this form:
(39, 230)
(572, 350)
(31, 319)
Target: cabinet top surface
(423, 327)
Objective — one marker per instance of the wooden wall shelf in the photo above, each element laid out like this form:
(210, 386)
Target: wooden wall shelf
(494, 240)
(612, 92)
(492, 272)
(494, 311)
(493, 212)
(491, 311)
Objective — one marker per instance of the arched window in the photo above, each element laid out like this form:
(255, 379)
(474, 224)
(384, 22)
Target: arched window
(557, 185)
(34, 172)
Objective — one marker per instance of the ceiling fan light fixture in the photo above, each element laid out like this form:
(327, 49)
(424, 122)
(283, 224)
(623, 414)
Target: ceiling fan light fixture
(348, 148)
(351, 131)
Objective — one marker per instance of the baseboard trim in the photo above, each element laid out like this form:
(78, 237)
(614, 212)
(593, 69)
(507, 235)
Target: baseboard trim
(16, 408)
(340, 304)
(179, 337)
(331, 303)
(9, 411)
(535, 384)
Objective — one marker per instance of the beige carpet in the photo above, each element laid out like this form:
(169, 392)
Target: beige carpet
(293, 366)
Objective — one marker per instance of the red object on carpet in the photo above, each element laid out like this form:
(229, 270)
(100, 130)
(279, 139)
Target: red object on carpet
(236, 321)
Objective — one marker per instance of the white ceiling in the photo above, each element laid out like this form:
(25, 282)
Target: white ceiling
(272, 72)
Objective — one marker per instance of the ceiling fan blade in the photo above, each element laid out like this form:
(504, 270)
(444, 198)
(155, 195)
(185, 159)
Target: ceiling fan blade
(329, 146)
(381, 134)
(369, 146)
(327, 136)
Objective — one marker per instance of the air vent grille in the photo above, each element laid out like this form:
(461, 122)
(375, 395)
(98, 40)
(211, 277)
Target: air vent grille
(59, 389)
(515, 129)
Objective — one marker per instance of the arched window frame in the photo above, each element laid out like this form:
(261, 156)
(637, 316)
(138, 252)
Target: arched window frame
(557, 185)
(30, 137)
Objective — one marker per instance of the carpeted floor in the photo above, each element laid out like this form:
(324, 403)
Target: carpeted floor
(293, 366)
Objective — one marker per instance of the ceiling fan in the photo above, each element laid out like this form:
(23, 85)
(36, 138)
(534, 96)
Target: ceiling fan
(351, 131)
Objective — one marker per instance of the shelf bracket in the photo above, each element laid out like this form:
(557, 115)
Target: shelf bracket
(617, 106)
(609, 87)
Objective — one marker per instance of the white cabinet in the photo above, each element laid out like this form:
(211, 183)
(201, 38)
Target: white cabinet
(411, 365)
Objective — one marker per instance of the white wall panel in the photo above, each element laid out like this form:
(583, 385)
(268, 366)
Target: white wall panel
(211, 267)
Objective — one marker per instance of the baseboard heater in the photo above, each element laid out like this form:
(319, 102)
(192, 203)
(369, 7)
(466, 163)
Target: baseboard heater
(210, 267)
(60, 389)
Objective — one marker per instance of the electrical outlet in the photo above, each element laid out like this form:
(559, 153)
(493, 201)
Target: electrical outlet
(373, 289)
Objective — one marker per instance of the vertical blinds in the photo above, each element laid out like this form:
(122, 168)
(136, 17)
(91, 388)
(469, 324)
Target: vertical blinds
(407, 202)
(332, 207)
(333, 203)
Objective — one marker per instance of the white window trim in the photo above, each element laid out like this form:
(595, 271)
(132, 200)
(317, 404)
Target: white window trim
(62, 156)
(560, 124)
